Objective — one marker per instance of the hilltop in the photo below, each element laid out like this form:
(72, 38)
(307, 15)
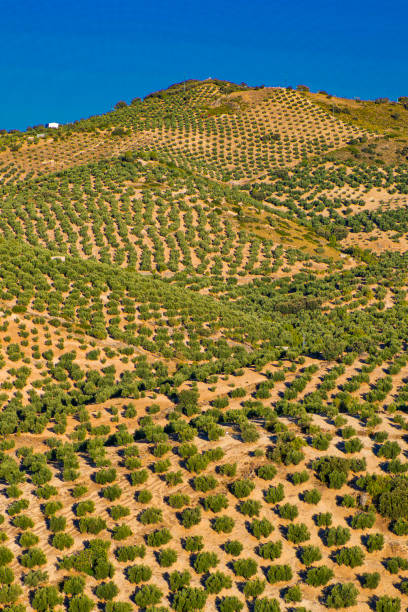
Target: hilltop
(203, 328)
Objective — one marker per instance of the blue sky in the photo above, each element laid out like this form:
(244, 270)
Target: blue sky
(61, 61)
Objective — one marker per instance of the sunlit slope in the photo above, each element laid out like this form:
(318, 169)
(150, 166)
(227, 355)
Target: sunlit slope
(220, 130)
(155, 217)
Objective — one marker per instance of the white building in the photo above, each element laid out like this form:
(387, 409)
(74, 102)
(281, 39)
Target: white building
(53, 125)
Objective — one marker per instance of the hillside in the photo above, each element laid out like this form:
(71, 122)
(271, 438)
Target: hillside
(203, 340)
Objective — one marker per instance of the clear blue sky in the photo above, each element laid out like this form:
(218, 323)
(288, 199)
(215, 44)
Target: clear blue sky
(61, 61)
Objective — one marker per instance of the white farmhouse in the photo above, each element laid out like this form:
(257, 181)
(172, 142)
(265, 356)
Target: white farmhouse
(53, 125)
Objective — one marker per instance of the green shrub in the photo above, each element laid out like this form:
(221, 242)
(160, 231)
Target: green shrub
(266, 605)
(121, 532)
(242, 488)
(167, 557)
(250, 507)
(223, 524)
(179, 580)
(385, 603)
(130, 553)
(35, 577)
(190, 517)
(216, 582)
(230, 604)
(363, 520)
(312, 497)
(204, 561)
(80, 603)
(118, 512)
(375, 541)
(336, 536)
(62, 541)
(216, 503)
(298, 478)
(341, 596)
(279, 573)
(147, 595)
(106, 591)
(324, 519)
(46, 598)
(254, 588)
(310, 554)
(233, 547)
(73, 585)
(319, 576)
(178, 500)
(261, 528)
(189, 599)
(28, 539)
(144, 496)
(158, 537)
(288, 511)
(370, 581)
(138, 573)
(395, 564)
(33, 557)
(194, 543)
(266, 472)
(151, 516)
(245, 567)
(204, 483)
(293, 594)
(270, 550)
(297, 533)
(351, 557)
